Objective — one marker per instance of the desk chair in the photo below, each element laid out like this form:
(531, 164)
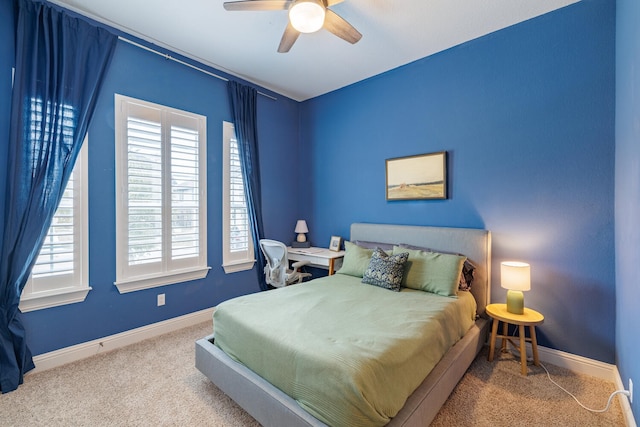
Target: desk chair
(276, 271)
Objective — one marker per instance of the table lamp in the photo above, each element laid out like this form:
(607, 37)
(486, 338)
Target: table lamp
(516, 277)
(301, 240)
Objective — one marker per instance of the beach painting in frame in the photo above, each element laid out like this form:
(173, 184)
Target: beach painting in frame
(419, 177)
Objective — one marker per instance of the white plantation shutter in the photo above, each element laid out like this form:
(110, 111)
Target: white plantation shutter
(144, 191)
(60, 273)
(237, 251)
(161, 208)
(185, 222)
(57, 260)
(238, 218)
(59, 265)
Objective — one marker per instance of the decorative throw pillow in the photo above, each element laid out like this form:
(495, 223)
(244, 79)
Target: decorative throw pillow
(385, 271)
(355, 261)
(433, 272)
(467, 276)
(468, 269)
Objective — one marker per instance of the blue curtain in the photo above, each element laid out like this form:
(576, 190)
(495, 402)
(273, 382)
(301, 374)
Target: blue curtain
(60, 64)
(244, 109)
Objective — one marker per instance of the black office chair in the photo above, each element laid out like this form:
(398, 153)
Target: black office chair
(276, 271)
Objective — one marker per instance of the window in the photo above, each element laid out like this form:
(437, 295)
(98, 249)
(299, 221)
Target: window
(237, 251)
(61, 274)
(161, 217)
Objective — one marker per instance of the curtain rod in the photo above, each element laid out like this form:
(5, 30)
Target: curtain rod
(167, 56)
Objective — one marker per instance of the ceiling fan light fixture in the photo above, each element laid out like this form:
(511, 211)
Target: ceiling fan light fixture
(307, 16)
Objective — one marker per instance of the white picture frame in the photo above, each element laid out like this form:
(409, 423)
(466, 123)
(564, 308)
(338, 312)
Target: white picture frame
(336, 242)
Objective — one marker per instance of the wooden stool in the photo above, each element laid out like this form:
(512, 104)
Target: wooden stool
(530, 318)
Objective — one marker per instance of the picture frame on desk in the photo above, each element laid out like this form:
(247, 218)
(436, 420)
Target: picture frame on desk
(336, 242)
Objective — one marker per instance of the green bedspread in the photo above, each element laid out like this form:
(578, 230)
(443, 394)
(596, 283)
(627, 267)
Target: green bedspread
(349, 353)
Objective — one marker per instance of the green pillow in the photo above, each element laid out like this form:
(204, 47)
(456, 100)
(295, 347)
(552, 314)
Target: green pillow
(432, 271)
(355, 261)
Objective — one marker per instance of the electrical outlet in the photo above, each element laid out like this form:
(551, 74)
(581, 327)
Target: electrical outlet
(630, 391)
(160, 299)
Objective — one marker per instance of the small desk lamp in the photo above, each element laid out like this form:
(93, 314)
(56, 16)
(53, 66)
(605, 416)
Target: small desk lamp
(301, 229)
(516, 277)
(301, 240)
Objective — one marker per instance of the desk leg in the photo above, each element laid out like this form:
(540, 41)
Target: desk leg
(534, 345)
(330, 266)
(494, 332)
(523, 350)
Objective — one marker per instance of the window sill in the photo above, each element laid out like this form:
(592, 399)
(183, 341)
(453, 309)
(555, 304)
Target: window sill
(49, 299)
(234, 267)
(147, 282)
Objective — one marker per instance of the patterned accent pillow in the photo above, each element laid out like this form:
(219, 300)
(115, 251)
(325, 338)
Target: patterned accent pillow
(467, 276)
(385, 271)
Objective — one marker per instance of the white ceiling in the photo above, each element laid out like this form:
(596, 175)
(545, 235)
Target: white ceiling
(244, 44)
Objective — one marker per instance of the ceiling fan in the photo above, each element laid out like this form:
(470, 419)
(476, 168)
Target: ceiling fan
(305, 16)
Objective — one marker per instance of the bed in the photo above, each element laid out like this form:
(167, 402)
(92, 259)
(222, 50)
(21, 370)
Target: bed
(272, 407)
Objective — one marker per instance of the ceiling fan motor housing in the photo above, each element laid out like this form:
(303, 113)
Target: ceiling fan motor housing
(307, 16)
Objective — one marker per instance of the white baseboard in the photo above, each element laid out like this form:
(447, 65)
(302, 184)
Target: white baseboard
(594, 368)
(87, 349)
(575, 363)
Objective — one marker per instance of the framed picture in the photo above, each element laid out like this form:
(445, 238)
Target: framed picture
(336, 241)
(419, 177)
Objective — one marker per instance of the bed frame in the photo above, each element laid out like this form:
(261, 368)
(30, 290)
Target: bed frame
(272, 408)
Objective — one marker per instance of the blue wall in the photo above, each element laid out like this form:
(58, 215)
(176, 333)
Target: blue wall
(140, 74)
(628, 193)
(527, 117)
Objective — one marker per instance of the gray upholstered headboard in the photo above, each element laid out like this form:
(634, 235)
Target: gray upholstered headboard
(475, 244)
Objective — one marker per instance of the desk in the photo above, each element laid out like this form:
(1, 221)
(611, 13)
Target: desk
(317, 257)
(530, 318)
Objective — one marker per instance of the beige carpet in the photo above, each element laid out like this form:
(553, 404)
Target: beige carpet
(496, 394)
(155, 383)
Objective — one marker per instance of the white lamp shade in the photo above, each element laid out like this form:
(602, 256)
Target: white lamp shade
(307, 16)
(515, 276)
(301, 226)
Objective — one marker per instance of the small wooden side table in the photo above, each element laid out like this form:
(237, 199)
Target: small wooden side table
(530, 318)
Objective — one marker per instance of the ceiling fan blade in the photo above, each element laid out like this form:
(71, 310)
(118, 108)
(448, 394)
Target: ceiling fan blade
(288, 38)
(332, 2)
(341, 28)
(255, 5)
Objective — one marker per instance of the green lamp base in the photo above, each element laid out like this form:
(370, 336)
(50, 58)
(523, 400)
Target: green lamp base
(515, 302)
